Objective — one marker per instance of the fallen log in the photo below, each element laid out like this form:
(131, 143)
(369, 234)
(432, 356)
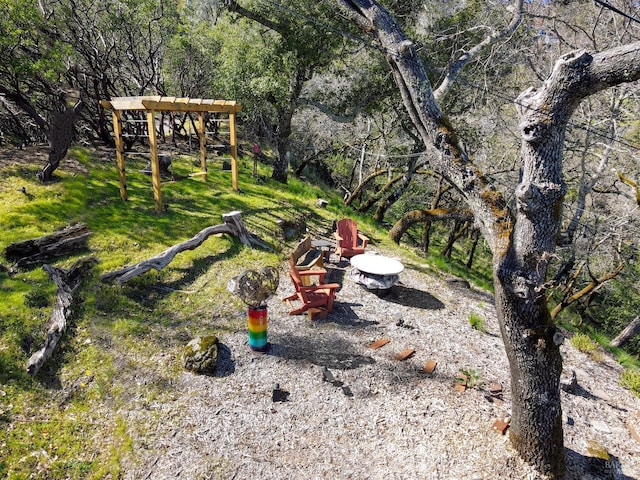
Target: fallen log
(68, 240)
(233, 225)
(66, 281)
(628, 333)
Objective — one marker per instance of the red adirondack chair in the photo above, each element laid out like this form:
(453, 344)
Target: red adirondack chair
(321, 295)
(349, 241)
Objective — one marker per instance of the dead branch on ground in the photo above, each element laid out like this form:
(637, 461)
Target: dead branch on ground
(233, 225)
(66, 281)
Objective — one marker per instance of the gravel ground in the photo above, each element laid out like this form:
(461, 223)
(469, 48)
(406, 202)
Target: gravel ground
(389, 419)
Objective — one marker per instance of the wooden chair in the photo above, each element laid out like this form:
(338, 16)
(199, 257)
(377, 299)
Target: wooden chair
(349, 241)
(305, 256)
(319, 296)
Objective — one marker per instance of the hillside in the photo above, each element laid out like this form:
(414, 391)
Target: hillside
(115, 402)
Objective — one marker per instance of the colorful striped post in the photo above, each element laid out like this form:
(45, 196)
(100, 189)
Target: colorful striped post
(258, 328)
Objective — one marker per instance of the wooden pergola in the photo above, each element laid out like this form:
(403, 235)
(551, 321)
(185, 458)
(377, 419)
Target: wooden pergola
(153, 104)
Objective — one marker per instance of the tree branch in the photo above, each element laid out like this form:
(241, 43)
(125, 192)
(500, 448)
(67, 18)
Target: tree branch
(417, 216)
(472, 54)
(591, 288)
(233, 225)
(66, 281)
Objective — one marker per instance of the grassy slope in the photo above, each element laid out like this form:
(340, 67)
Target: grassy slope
(65, 421)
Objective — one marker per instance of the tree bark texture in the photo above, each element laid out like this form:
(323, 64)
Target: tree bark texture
(60, 138)
(523, 240)
(285, 115)
(66, 281)
(233, 225)
(68, 240)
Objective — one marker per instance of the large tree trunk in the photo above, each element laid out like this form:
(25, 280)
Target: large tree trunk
(60, 138)
(532, 345)
(281, 165)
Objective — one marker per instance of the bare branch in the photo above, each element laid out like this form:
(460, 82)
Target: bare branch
(472, 54)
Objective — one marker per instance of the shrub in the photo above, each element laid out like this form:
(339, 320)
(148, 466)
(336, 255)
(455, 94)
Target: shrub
(477, 322)
(584, 343)
(470, 378)
(631, 379)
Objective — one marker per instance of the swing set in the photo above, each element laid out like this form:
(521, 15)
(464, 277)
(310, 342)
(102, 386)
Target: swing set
(153, 104)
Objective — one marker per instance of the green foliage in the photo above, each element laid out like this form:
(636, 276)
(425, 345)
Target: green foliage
(39, 296)
(477, 322)
(631, 379)
(584, 343)
(29, 52)
(618, 303)
(470, 377)
(113, 327)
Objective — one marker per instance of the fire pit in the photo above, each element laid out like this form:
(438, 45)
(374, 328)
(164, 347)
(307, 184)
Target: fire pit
(376, 272)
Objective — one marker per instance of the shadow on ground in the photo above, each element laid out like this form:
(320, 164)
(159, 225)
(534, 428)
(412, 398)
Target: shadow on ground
(583, 467)
(325, 350)
(410, 297)
(225, 366)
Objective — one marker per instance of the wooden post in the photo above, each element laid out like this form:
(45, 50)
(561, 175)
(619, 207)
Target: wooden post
(117, 133)
(234, 151)
(203, 145)
(155, 168)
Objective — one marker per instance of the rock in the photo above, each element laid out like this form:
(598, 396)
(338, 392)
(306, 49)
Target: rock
(601, 394)
(600, 427)
(201, 355)
(279, 395)
(633, 424)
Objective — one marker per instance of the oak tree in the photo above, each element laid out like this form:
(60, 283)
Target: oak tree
(522, 236)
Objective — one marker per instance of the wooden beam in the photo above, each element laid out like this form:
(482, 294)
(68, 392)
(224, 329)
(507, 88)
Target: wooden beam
(155, 167)
(203, 146)
(117, 133)
(234, 151)
(180, 107)
(173, 104)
